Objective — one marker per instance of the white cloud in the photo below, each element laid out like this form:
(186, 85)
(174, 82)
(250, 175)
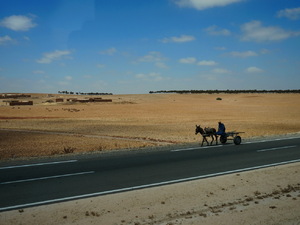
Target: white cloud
(180, 39)
(152, 57)
(254, 69)
(150, 77)
(141, 76)
(214, 30)
(292, 14)
(207, 63)
(99, 65)
(18, 23)
(51, 56)
(87, 76)
(110, 51)
(243, 54)
(66, 81)
(192, 60)
(161, 65)
(204, 4)
(68, 77)
(26, 38)
(265, 51)
(188, 60)
(220, 71)
(254, 31)
(6, 40)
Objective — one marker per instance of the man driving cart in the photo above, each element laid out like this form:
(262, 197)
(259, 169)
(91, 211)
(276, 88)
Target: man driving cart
(221, 129)
(224, 136)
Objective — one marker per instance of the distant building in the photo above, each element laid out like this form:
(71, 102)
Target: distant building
(59, 100)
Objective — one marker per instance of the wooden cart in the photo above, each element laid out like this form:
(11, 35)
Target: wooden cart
(233, 135)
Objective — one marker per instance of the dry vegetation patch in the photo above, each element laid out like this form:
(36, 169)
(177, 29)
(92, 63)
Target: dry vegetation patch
(16, 144)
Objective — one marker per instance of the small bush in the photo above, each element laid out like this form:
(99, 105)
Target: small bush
(257, 193)
(68, 150)
(219, 99)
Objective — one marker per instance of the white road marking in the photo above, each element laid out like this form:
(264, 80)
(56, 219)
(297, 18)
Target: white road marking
(37, 164)
(278, 148)
(145, 186)
(220, 145)
(269, 140)
(197, 148)
(45, 178)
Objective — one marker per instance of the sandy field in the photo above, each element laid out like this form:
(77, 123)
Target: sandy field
(134, 121)
(267, 197)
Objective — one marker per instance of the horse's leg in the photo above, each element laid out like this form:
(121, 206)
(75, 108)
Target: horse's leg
(206, 141)
(216, 139)
(212, 139)
(203, 139)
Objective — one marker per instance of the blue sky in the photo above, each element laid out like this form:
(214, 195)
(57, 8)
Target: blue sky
(137, 46)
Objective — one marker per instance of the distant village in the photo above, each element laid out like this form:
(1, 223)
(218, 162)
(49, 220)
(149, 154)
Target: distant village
(82, 93)
(19, 99)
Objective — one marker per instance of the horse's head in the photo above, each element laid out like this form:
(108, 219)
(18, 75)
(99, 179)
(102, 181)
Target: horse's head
(199, 130)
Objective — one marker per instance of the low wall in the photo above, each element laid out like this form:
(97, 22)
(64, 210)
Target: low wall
(13, 103)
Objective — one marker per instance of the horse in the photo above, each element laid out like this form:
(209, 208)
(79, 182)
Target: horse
(212, 132)
(206, 132)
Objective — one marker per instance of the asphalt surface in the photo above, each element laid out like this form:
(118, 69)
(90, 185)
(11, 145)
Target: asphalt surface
(37, 182)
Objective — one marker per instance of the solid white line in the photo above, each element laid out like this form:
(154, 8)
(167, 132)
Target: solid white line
(37, 164)
(45, 178)
(278, 148)
(145, 186)
(249, 142)
(270, 140)
(197, 148)
(184, 149)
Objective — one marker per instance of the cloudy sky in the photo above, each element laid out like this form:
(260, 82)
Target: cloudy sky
(137, 46)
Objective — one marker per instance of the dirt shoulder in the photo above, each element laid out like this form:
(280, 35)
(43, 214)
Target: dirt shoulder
(265, 196)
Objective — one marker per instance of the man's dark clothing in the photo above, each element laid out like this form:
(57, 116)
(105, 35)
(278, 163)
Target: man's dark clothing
(221, 129)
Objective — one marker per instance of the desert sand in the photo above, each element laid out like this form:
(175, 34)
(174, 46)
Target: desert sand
(134, 121)
(265, 196)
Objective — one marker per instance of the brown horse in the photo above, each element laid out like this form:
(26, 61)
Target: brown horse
(206, 132)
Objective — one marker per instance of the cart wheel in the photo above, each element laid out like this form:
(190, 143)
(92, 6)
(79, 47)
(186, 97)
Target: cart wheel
(223, 139)
(237, 140)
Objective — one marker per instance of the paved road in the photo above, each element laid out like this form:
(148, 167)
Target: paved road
(55, 180)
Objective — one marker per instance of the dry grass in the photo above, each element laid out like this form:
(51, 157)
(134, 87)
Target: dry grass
(139, 119)
(24, 144)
